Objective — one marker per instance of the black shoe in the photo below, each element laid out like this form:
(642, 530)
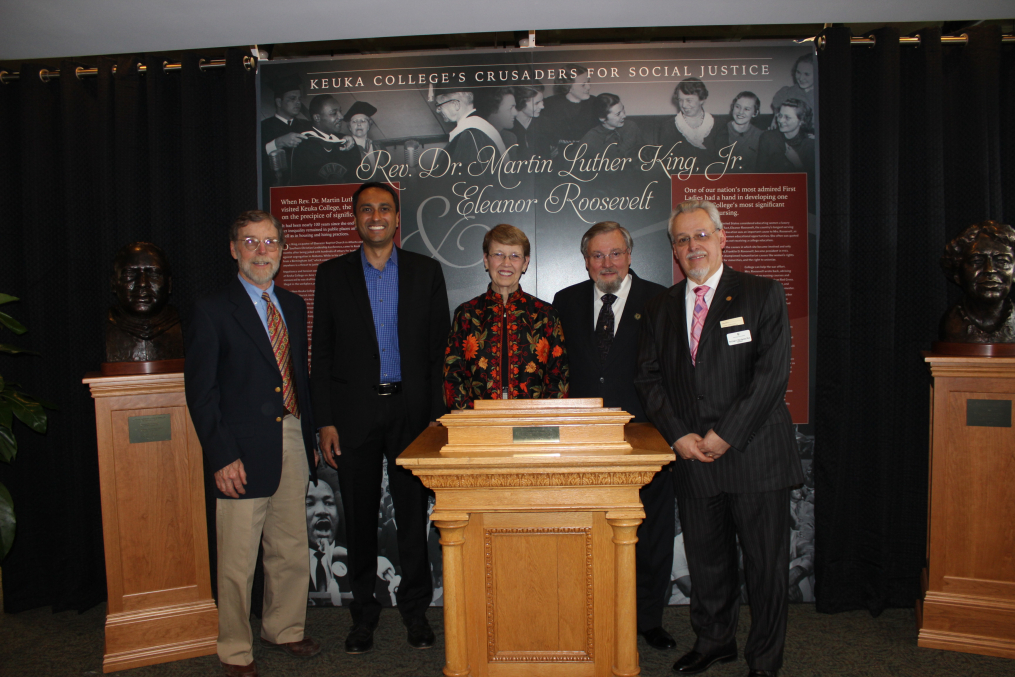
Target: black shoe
(420, 635)
(360, 639)
(658, 638)
(763, 673)
(692, 662)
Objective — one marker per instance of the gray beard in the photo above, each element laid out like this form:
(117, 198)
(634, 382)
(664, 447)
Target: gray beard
(609, 287)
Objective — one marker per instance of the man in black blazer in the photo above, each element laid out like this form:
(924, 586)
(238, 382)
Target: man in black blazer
(281, 132)
(248, 392)
(381, 324)
(713, 366)
(601, 318)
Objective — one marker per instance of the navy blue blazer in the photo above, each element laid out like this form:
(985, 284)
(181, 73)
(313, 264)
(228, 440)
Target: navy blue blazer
(234, 386)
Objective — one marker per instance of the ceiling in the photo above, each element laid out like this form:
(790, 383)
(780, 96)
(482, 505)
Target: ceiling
(48, 29)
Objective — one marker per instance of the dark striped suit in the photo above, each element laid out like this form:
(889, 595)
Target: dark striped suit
(738, 391)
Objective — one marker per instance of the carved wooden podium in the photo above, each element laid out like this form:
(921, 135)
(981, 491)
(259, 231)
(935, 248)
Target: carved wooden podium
(969, 584)
(538, 509)
(153, 521)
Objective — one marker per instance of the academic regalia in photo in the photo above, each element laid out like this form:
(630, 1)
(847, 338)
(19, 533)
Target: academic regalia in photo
(319, 160)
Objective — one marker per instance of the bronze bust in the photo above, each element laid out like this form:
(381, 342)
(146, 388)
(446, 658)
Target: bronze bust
(980, 260)
(142, 326)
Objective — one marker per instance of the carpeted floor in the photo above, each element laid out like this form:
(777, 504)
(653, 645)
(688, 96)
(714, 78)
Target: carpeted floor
(40, 643)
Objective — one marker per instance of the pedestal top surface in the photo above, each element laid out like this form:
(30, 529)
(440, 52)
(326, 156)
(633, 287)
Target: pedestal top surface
(648, 448)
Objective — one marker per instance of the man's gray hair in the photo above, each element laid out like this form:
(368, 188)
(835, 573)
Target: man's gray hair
(606, 227)
(688, 206)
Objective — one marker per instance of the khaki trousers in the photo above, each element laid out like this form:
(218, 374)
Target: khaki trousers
(280, 523)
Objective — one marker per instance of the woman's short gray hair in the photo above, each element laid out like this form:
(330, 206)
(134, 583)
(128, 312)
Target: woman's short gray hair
(688, 206)
(606, 227)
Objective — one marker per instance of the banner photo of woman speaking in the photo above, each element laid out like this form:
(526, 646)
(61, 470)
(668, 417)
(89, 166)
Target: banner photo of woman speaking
(553, 140)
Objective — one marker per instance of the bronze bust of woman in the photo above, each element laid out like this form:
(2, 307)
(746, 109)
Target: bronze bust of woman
(142, 326)
(980, 260)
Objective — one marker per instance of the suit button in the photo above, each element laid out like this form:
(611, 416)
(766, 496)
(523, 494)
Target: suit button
(701, 397)
(278, 390)
(602, 380)
(278, 419)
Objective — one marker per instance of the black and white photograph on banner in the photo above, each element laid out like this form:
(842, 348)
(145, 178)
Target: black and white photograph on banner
(551, 143)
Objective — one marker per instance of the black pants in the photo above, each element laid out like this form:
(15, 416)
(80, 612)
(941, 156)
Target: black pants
(359, 476)
(654, 550)
(712, 526)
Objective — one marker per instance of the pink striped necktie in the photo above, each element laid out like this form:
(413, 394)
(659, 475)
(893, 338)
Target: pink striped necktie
(698, 321)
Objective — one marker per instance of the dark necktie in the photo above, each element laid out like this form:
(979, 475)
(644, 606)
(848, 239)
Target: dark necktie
(280, 346)
(319, 574)
(604, 326)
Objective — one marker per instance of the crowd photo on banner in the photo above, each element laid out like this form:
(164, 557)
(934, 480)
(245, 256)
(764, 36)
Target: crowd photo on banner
(550, 143)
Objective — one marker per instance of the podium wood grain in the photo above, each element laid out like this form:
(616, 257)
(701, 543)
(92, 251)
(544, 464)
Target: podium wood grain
(160, 606)
(539, 567)
(968, 601)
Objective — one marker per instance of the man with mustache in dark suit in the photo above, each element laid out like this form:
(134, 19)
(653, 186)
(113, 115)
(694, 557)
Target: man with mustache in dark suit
(713, 367)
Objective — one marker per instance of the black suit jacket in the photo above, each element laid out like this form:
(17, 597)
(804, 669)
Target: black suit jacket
(346, 358)
(737, 390)
(612, 380)
(234, 386)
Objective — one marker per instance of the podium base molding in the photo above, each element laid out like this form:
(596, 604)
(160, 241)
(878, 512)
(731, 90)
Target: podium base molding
(133, 637)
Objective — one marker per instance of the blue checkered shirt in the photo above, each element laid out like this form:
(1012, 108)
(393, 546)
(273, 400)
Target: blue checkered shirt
(382, 288)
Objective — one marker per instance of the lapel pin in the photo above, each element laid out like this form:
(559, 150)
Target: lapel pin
(729, 298)
(637, 316)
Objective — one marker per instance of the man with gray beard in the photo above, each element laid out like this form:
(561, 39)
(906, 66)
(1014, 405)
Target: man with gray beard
(248, 391)
(601, 318)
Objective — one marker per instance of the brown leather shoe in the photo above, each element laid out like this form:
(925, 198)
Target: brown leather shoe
(240, 670)
(305, 648)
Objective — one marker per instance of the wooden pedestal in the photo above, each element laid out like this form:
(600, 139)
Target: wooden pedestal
(969, 584)
(539, 535)
(153, 520)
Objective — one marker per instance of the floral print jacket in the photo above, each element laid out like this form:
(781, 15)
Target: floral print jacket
(537, 360)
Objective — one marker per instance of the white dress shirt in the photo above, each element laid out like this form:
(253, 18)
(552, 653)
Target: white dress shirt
(618, 305)
(690, 297)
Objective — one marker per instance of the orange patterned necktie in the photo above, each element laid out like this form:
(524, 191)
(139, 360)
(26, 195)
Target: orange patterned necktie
(280, 346)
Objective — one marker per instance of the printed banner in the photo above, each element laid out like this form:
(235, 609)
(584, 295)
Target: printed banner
(553, 141)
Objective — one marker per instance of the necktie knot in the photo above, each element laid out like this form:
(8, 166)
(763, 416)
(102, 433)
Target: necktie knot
(700, 291)
(608, 299)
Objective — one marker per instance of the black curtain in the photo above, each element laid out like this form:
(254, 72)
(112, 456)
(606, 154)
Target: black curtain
(917, 143)
(87, 166)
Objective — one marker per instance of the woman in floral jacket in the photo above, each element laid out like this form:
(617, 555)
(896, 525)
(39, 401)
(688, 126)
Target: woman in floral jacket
(535, 361)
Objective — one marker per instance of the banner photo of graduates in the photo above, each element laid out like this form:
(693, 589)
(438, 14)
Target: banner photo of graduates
(552, 141)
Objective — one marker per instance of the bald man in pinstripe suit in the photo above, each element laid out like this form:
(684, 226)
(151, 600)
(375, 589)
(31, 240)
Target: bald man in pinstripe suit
(713, 366)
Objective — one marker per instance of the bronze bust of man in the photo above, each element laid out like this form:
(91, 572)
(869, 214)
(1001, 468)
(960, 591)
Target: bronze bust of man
(980, 260)
(142, 326)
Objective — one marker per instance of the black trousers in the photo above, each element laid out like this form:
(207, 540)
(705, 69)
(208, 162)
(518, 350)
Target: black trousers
(712, 526)
(654, 550)
(359, 475)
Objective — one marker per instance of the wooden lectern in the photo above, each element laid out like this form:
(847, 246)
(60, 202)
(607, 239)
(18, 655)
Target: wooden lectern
(969, 584)
(153, 521)
(538, 509)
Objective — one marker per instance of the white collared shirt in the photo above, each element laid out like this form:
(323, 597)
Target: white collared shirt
(618, 305)
(690, 297)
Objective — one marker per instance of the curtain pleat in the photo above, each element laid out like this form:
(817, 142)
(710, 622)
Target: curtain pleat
(89, 165)
(913, 150)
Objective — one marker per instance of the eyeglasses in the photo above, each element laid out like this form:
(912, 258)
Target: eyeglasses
(699, 237)
(270, 244)
(499, 257)
(614, 256)
(444, 103)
